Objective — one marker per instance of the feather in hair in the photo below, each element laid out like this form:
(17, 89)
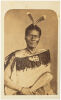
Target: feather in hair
(30, 16)
(41, 19)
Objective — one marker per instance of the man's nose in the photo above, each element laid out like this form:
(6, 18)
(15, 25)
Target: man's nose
(33, 38)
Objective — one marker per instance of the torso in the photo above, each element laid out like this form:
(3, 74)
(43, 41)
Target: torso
(26, 74)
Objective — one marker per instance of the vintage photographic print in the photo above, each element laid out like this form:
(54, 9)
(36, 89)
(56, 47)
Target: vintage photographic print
(31, 52)
(28, 68)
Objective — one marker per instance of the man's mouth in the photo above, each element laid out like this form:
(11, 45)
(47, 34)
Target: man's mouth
(33, 42)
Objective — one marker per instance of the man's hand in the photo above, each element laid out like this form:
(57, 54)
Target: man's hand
(26, 91)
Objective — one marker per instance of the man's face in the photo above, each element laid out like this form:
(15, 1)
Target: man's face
(32, 39)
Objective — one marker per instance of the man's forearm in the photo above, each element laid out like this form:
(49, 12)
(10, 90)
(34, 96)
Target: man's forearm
(42, 81)
(10, 84)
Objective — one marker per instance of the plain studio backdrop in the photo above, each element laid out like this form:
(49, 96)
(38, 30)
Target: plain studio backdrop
(15, 22)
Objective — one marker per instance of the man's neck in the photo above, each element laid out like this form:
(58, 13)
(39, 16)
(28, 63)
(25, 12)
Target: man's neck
(31, 50)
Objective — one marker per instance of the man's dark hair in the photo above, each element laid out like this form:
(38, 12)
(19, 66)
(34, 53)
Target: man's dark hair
(32, 27)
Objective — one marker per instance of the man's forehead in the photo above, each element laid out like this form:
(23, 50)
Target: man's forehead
(34, 32)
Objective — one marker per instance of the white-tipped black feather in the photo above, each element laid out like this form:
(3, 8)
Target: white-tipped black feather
(40, 19)
(30, 16)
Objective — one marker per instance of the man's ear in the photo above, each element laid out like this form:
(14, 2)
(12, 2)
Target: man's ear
(39, 40)
(25, 38)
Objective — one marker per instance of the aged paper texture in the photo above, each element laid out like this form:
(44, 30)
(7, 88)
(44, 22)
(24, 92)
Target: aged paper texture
(30, 54)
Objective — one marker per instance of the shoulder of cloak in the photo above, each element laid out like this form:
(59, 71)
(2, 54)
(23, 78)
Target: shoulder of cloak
(7, 58)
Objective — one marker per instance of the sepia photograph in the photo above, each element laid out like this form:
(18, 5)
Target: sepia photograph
(30, 50)
(31, 41)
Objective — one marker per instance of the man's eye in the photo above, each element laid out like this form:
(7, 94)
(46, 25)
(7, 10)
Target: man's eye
(33, 36)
